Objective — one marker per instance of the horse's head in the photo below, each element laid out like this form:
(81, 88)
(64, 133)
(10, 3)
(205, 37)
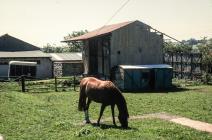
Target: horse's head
(123, 119)
(123, 111)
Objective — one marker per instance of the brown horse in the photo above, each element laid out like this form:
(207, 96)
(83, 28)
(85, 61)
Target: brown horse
(105, 92)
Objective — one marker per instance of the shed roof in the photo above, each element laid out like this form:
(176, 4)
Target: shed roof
(155, 66)
(100, 31)
(21, 54)
(10, 44)
(66, 57)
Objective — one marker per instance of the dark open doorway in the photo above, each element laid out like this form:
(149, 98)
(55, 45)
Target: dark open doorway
(99, 56)
(152, 79)
(93, 57)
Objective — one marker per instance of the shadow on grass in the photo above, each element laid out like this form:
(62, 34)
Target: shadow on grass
(173, 89)
(109, 126)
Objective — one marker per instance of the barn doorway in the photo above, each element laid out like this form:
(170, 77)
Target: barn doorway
(93, 57)
(99, 56)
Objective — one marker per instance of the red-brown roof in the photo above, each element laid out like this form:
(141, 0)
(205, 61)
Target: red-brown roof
(100, 31)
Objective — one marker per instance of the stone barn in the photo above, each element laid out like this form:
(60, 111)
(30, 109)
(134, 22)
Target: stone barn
(13, 49)
(128, 43)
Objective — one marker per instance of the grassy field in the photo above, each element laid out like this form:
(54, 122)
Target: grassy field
(54, 115)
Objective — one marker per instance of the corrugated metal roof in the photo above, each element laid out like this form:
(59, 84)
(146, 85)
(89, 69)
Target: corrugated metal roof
(20, 54)
(101, 31)
(145, 66)
(66, 56)
(9, 43)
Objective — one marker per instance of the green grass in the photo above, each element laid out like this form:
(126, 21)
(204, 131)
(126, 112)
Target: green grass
(54, 115)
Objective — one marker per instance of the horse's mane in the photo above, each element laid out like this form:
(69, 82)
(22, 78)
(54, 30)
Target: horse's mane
(122, 102)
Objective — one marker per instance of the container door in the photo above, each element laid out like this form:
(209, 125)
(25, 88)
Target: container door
(159, 81)
(136, 83)
(168, 78)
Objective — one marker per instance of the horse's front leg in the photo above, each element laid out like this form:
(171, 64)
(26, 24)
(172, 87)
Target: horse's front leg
(101, 112)
(87, 120)
(113, 116)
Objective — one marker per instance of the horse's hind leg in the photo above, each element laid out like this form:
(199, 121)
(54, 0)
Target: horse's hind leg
(112, 109)
(87, 120)
(101, 112)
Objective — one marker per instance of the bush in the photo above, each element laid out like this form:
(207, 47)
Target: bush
(207, 78)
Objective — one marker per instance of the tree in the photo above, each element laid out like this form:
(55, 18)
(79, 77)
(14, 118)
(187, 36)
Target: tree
(177, 47)
(75, 46)
(191, 41)
(205, 49)
(71, 46)
(54, 49)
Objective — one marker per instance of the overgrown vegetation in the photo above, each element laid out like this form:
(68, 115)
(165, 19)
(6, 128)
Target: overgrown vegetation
(203, 46)
(54, 115)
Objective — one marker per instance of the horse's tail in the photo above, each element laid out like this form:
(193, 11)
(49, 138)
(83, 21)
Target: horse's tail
(82, 98)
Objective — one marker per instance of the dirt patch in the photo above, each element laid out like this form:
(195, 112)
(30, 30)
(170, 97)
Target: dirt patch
(201, 90)
(198, 125)
(163, 116)
(1, 137)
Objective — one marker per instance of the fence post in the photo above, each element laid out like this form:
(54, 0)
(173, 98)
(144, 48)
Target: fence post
(74, 83)
(23, 83)
(55, 83)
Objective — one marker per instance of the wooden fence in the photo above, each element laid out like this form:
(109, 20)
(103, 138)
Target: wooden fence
(67, 82)
(185, 65)
(57, 84)
(31, 84)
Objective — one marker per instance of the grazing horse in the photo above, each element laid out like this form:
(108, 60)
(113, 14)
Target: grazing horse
(105, 92)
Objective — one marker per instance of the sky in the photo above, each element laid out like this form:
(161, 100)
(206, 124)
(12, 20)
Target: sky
(47, 21)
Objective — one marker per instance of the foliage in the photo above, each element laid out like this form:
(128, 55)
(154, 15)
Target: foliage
(176, 48)
(55, 49)
(203, 46)
(182, 83)
(54, 115)
(206, 50)
(191, 41)
(75, 46)
(70, 47)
